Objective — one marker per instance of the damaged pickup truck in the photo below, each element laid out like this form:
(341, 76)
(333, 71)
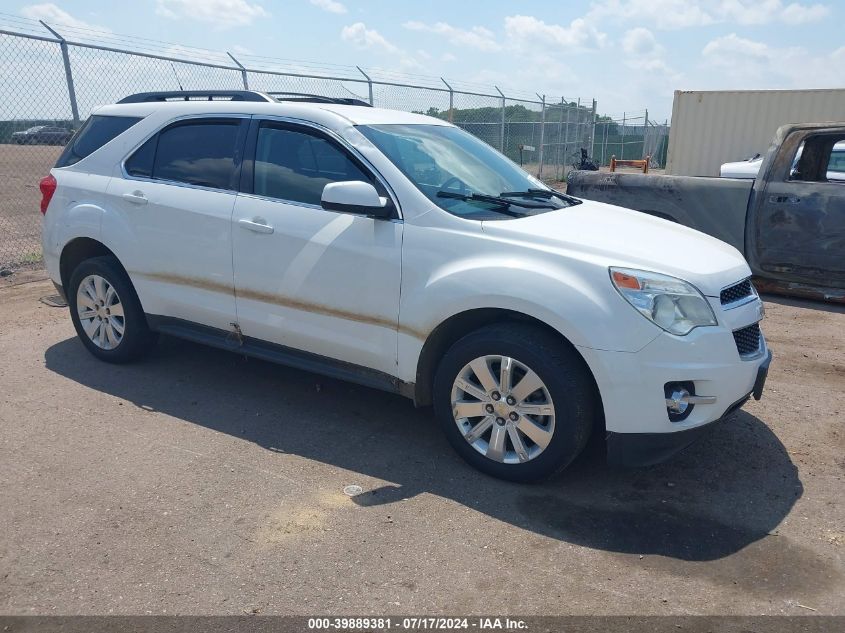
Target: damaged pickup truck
(789, 222)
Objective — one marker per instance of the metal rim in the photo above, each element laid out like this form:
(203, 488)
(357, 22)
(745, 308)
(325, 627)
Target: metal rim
(503, 409)
(100, 312)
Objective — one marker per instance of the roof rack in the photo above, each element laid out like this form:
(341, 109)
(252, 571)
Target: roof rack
(197, 95)
(309, 98)
(238, 95)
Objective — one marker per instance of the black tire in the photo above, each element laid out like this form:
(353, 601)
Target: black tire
(565, 376)
(137, 338)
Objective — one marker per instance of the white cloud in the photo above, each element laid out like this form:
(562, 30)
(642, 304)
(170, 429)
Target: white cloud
(527, 32)
(750, 64)
(796, 13)
(765, 11)
(369, 39)
(221, 14)
(329, 5)
(640, 41)
(362, 37)
(56, 16)
(475, 37)
(447, 57)
(644, 52)
(678, 14)
(731, 50)
(663, 14)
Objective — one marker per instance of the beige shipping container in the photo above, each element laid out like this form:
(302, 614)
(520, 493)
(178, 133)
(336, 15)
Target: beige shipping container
(714, 127)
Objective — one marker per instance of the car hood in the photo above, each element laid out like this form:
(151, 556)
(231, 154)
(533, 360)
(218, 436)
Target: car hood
(614, 236)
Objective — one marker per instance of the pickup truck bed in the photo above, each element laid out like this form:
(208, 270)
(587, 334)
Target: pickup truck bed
(712, 205)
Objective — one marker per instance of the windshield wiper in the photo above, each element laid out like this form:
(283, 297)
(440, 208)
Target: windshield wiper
(503, 202)
(540, 193)
(502, 205)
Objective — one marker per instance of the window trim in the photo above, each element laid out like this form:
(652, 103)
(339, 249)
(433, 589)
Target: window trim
(313, 129)
(183, 120)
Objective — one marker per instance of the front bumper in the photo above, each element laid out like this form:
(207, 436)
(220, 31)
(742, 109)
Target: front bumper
(645, 449)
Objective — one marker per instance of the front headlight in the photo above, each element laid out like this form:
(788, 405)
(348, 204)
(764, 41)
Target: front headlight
(670, 303)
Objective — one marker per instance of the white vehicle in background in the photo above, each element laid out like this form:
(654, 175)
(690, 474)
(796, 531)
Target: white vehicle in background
(749, 167)
(400, 252)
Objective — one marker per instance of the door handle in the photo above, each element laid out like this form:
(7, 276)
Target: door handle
(136, 197)
(258, 225)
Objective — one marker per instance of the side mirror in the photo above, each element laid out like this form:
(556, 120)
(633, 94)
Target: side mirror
(355, 196)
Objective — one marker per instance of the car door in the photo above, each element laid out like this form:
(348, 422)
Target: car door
(174, 202)
(306, 278)
(799, 220)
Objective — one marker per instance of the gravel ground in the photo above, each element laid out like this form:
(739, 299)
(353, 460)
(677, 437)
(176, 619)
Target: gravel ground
(200, 482)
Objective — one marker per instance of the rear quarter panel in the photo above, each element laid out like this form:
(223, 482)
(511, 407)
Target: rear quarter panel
(76, 210)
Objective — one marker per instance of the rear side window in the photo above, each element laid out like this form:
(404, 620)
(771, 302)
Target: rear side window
(197, 153)
(296, 165)
(96, 132)
(141, 162)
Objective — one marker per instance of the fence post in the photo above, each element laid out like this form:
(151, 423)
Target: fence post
(559, 135)
(566, 152)
(622, 152)
(593, 129)
(74, 109)
(502, 134)
(645, 136)
(451, 100)
(604, 146)
(542, 133)
(243, 70)
(369, 83)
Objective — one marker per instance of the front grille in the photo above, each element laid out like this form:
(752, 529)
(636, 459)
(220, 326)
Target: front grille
(748, 340)
(734, 293)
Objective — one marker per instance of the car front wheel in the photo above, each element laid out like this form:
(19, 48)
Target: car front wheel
(515, 401)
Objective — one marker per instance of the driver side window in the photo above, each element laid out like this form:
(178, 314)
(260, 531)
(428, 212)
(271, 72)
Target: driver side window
(295, 165)
(820, 158)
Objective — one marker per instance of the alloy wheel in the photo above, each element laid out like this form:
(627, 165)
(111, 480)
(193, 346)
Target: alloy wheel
(503, 409)
(100, 312)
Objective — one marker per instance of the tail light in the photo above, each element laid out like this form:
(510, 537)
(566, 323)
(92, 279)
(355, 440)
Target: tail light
(48, 188)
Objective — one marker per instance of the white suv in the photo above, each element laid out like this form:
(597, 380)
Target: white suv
(400, 252)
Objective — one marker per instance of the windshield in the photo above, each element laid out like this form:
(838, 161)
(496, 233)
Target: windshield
(462, 174)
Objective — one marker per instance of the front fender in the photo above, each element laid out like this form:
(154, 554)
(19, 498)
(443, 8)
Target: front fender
(574, 298)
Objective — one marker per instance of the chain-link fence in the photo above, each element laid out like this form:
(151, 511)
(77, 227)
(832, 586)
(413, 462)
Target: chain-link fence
(52, 79)
(630, 137)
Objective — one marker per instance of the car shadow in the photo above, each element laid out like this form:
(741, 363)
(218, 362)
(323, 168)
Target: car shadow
(723, 494)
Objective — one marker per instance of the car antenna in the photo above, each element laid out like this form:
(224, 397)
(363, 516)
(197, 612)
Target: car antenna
(178, 83)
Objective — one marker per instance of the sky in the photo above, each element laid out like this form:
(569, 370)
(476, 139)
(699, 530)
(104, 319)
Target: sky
(628, 54)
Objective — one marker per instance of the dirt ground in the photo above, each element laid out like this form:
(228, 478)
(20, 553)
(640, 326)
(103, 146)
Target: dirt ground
(200, 482)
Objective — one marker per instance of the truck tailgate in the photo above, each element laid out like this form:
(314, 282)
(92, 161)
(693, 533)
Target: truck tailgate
(716, 206)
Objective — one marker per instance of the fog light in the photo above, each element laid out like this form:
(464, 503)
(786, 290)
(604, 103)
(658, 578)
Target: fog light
(677, 402)
(681, 399)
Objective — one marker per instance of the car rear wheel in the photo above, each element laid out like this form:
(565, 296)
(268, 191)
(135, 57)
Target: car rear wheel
(515, 401)
(106, 312)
